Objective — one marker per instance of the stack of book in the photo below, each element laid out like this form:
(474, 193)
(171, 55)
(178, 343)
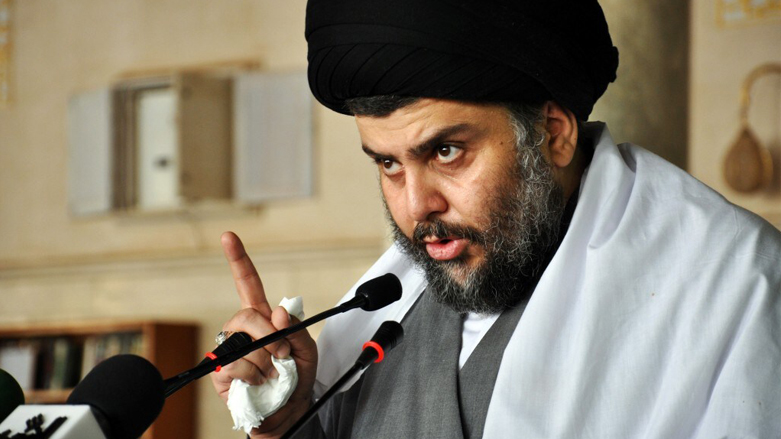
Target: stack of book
(57, 363)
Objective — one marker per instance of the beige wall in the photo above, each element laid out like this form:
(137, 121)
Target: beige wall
(54, 267)
(62, 47)
(647, 105)
(721, 58)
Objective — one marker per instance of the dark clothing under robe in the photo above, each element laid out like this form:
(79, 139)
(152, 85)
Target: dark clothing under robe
(418, 391)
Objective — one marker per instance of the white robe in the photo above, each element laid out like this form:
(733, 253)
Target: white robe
(658, 317)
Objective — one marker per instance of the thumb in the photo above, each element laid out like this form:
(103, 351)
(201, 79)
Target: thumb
(301, 345)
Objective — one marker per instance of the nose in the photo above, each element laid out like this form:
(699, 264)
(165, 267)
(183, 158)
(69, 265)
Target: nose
(424, 198)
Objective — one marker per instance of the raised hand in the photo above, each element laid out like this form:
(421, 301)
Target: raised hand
(257, 319)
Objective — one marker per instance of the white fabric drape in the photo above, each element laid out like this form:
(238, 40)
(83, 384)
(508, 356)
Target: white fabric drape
(658, 317)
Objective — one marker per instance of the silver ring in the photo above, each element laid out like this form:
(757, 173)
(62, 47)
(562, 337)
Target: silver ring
(222, 336)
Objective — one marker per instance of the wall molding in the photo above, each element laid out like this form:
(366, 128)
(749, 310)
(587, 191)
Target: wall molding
(156, 261)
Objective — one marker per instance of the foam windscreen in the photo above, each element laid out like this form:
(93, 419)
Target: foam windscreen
(11, 394)
(126, 394)
(379, 292)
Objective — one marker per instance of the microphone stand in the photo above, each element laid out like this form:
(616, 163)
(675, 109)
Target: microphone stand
(320, 402)
(386, 338)
(173, 384)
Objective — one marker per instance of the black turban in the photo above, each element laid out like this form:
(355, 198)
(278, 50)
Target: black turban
(478, 50)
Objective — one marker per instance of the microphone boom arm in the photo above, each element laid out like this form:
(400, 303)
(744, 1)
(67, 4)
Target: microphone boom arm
(173, 384)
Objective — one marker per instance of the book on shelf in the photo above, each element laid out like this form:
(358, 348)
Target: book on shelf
(97, 348)
(18, 359)
(60, 362)
(66, 364)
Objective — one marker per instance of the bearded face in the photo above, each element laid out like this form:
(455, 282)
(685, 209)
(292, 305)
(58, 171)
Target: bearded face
(519, 235)
(471, 196)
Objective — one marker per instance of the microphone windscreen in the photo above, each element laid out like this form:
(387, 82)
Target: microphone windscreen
(11, 394)
(389, 335)
(126, 392)
(379, 292)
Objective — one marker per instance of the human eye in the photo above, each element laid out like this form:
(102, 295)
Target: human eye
(388, 166)
(447, 153)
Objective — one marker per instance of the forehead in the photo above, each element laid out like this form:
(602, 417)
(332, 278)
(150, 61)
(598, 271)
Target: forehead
(425, 119)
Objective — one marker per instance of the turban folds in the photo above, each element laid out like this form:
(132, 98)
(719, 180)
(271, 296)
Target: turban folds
(478, 50)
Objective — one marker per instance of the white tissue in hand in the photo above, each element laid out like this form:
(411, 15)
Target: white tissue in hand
(250, 405)
(294, 306)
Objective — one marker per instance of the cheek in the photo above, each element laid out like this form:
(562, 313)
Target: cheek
(469, 201)
(473, 202)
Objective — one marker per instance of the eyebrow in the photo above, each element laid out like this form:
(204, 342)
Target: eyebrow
(424, 147)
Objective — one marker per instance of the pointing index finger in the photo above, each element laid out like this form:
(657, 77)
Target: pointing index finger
(248, 284)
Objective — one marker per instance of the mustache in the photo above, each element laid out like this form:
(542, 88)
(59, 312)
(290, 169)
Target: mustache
(439, 229)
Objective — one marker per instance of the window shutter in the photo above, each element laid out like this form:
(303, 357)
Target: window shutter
(90, 153)
(272, 137)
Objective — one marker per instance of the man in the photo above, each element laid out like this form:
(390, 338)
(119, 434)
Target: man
(555, 284)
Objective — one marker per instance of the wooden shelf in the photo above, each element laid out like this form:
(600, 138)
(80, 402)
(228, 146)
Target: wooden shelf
(170, 346)
(46, 396)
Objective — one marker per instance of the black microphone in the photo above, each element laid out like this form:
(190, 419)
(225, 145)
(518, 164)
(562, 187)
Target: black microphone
(11, 394)
(369, 296)
(378, 292)
(387, 337)
(125, 393)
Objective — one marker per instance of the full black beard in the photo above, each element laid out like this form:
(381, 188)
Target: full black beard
(521, 237)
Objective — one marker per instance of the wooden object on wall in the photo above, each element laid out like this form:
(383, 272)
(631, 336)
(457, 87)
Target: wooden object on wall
(171, 347)
(748, 165)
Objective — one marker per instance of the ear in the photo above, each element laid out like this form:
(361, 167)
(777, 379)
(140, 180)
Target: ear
(562, 127)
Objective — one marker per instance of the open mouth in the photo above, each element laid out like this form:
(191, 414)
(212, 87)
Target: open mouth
(437, 240)
(444, 249)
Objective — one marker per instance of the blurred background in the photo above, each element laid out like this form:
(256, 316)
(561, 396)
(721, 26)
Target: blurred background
(134, 132)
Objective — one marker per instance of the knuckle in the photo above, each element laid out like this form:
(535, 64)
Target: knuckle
(244, 317)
